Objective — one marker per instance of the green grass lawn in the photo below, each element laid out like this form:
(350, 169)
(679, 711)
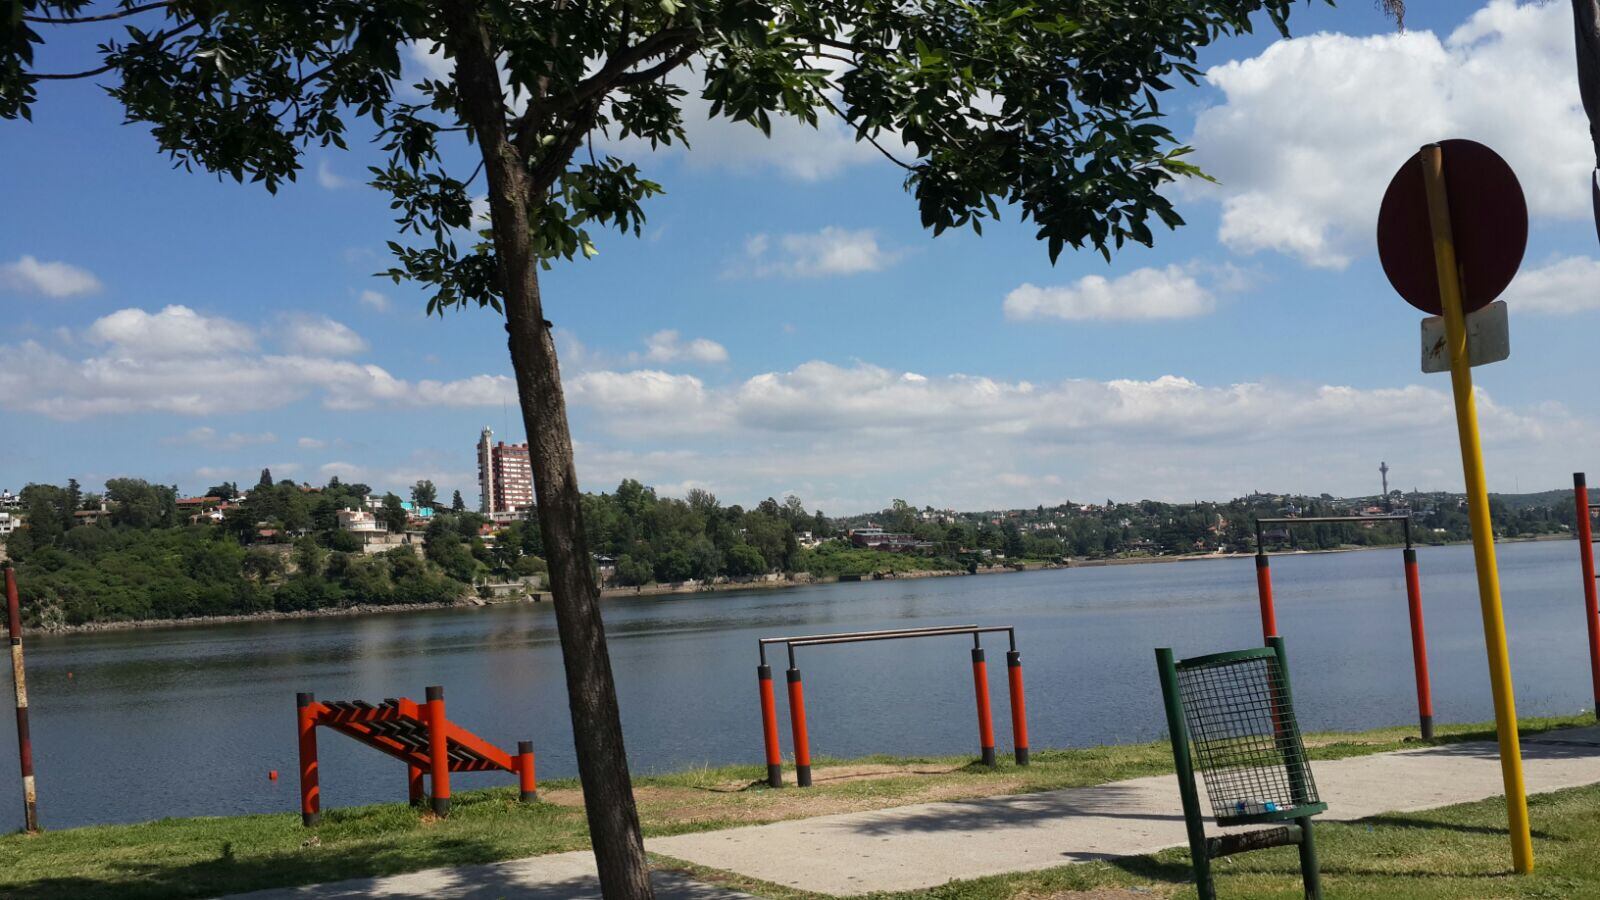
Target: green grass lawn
(203, 857)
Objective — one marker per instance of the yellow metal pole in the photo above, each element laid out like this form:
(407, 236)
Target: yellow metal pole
(1494, 626)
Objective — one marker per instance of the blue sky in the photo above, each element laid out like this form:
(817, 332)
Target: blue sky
(784, 325)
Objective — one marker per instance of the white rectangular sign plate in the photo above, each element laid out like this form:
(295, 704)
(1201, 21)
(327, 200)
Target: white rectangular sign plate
(1488, 339)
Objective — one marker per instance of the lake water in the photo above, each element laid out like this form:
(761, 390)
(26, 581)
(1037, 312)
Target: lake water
(188, 721)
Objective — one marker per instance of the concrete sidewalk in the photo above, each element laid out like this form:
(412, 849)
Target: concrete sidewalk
(928, 844)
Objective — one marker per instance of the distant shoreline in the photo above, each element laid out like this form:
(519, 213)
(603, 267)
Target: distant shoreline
(671, 590)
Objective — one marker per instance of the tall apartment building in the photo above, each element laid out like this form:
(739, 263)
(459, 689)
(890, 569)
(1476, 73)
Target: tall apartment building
(505, 476)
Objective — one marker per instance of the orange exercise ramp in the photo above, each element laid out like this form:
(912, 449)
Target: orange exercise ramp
(417, 734)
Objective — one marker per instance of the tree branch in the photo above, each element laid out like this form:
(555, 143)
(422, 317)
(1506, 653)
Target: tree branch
(596, 85)
(661, 68)
(156, 43)
(80, 20)
(68, 76)
(867, 137)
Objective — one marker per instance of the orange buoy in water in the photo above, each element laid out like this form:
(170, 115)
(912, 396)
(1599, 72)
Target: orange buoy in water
(272, 775)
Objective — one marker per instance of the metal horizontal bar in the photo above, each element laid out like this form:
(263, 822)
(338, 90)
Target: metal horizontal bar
(1240, 842)
(1308, 519)
(843, 634)
(897, 635)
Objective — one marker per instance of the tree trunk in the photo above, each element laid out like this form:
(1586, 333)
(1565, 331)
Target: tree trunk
(1586, 25)
(591, 691)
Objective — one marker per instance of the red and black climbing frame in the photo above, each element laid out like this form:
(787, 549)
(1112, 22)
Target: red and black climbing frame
(420, 735)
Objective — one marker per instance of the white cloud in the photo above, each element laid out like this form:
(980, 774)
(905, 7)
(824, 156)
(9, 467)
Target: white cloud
(175, 331)
(57, 280)
(321, 336)
(646, 391)
(1565, 285)
(831, 251)
(243, 475)
(665, 346)
(373, 300)
(330, 179)
(1167, 293)
(1311, 130)
(400, 478)
(311, 443)
(208, 437)
(178, 361)
(857, 435)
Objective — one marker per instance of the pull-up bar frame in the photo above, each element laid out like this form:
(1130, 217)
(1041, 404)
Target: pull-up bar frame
(797, 706)
(1419, 639)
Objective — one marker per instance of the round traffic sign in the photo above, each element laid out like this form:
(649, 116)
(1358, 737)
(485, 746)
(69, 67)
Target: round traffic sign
(1488, 217)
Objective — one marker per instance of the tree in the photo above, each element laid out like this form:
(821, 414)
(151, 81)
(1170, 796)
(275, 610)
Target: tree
(74, 500)
(1050, 110)
(744, 560)
(392, 515)
(139, 504)
(424, 495)
(265, 480)
(456, 503)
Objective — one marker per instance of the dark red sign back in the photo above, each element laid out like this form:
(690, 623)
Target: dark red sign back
(1488, 217)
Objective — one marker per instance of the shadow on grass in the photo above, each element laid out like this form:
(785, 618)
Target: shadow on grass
(227, 873)
(1393, 820)
(1151, 868)
(526, 880)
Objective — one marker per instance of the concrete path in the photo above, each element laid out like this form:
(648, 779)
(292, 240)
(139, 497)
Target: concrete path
(928, 844)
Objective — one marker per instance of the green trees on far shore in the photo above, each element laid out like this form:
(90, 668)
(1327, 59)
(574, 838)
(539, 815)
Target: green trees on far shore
(131, 553)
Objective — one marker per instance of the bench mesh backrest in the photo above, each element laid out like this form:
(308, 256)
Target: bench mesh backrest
(1246, 743)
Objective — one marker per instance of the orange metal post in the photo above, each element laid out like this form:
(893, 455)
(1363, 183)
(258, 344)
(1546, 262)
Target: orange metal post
(527, 778)
(1269, 616)
(769, 726)
(980, 687)
(414, 788)
(1419, 645)
(310, 792)
(19, 680)
(439, 750)
(1591, 612)
(797, 721)
(1019, 708)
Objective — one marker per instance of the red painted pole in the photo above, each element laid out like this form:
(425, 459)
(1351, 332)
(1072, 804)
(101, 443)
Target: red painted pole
(310, 790)
(527, 778)
(1269, 616)
(769, 726)
(1419, 645)
(797, 721)
(1591, 613)
(439, 750)
(980, 687)
(19, 678)
(414, 788)
(1019, 708)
